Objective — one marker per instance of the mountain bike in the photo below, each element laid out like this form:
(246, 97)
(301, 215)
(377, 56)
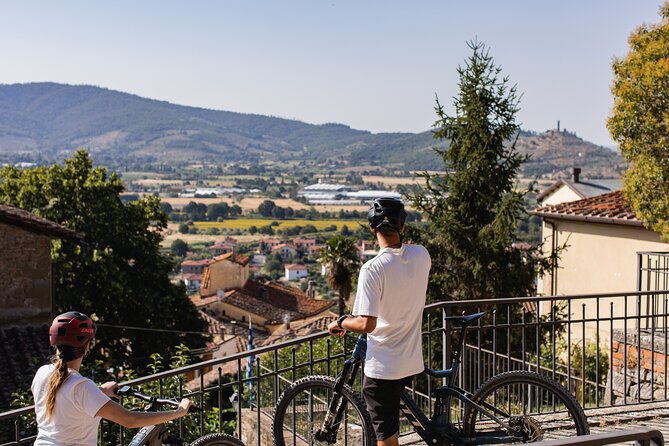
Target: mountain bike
(512, 407)
(158, 435)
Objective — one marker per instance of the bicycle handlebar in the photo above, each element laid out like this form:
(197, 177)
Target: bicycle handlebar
(128, 391)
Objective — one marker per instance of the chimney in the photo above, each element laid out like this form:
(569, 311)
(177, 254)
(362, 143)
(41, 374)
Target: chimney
(576, 174)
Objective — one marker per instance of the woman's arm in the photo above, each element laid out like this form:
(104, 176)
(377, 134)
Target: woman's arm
(113, 411)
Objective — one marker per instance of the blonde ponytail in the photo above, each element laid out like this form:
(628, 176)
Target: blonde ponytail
(56, 379)
(64, 354)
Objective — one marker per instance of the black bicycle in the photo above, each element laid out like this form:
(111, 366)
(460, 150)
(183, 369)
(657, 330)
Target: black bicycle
(512, 407)
(159, 434)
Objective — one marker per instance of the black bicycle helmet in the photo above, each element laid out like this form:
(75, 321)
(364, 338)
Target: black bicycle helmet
(73, 329)
(387, 212)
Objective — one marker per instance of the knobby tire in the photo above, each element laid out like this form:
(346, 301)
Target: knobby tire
(217, 440)
(515, 385)
(323, 385)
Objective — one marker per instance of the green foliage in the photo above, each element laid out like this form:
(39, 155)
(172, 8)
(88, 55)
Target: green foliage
(341, 257)
(179, 248)
(640, 122)
(118, 276)
(474, 207)
(305, 363)
(586, 369)
(170, 388)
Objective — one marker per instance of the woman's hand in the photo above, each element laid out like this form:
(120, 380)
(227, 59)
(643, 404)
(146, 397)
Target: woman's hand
(109, 389)
(184, 405)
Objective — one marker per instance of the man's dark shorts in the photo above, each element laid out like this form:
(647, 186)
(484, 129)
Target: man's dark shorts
(382, 397)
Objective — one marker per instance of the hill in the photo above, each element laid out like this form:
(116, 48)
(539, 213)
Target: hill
(46, 121)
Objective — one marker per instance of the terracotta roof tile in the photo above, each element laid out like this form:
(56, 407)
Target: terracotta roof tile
(31, 222)
(22, 351)
(275, 301)
(606, 208)
(240, 259)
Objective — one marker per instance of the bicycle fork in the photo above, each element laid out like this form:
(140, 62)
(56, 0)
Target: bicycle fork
(337, 406)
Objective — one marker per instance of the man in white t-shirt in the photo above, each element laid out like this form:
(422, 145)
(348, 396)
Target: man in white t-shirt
(389, 307)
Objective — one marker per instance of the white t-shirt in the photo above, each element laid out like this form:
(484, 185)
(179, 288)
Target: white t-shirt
(73, 420)
(392, 288)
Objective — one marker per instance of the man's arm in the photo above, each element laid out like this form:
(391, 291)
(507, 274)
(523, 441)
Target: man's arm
(356, 324)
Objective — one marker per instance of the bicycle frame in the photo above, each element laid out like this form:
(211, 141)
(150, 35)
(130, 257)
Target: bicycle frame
(433, 433)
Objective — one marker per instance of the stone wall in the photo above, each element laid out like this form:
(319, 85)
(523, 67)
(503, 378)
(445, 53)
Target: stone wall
(250, 428)
(638, 366)
(25, 277)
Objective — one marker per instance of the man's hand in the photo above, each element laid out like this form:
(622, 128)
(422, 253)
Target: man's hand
(109, 389)
(334, 329)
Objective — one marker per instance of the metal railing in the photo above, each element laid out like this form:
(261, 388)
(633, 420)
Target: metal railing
(620, 364)
(642, 436)
(653, 271)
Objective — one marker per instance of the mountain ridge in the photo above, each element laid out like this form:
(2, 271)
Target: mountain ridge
(47, 120)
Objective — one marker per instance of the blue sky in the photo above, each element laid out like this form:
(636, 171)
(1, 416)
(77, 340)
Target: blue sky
(373, 65)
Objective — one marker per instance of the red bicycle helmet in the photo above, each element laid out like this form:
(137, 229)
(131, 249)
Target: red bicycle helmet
(72, 328)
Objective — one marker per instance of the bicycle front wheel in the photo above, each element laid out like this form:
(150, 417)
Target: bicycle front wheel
(532, 407)
(302, 408)
(217, 440)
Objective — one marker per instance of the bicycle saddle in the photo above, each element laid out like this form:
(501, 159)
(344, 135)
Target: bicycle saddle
(465, 319)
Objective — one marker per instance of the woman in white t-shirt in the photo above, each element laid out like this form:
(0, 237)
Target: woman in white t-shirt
(69, 406)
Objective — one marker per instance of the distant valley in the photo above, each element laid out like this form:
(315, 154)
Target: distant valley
(44, 122)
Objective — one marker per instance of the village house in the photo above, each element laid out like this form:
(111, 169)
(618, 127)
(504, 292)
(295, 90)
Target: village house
(266, 244)
(194, 266)
(227, 293)
(306, 245)
(192, 271)
(286, 251)
(367, 250)
(295, 272)
(26, 295)
(601, 237)
(564, 191)
(224, 246)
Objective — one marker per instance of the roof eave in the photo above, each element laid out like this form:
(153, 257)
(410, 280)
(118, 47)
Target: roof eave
(589, 219)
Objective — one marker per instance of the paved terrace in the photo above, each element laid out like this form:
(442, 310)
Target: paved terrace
(609, 419)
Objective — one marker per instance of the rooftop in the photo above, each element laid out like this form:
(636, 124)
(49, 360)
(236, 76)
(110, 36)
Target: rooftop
(275, 301)
(31, 222)
(239, 259)
(609, 208)
(583, 189)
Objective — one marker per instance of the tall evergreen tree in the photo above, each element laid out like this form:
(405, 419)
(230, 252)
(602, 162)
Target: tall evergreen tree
(118, 276)
(473, 208)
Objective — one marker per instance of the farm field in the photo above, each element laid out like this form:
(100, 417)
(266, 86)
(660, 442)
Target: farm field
(252, 203)
(392, 181)
(173, 233)
(246, 223)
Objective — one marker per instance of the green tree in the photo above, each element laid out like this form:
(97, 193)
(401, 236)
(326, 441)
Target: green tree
(217, 210)
(183, 228)
(266, 208)
(179, 248)
(640, 121)
(473, 208)
(118, 276)
(340, 255)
